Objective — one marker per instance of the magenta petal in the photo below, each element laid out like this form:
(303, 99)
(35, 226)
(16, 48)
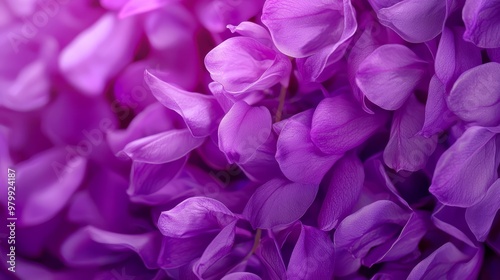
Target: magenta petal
(313, 256)
(301, 29)
(93, 246)
(475, 97)
(482, 23)
(163, 147)
(194, 216)
(467, 169)
(243, 130)
(200, 112)
(259, 67)
(216, 15)
(339, 124)
(178, 252)
(407, 150)
(133, 7)
(480, 216)
(97, 54)
(343, 191)
(299, 159)
(389, 75)
(271, 206)
(414, 20)
(220, 246)
(45, 184)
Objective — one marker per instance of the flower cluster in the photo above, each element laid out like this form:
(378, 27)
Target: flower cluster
(251, 139)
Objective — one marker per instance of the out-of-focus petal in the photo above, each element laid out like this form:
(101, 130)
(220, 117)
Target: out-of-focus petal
(97, 54)
(133, 7)
(279, 202)
(467, 169)
(45, 183)
(475, 97)
(91, 246)
(241, 276)
(389, 75)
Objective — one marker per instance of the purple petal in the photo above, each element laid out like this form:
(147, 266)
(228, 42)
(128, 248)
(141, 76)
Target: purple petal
(154, 119)
(133, 7)
(216, 15)
(467, 169)
(200, 112)
(241, 276)
(376, 224)
(407, 150)
(279, 202)
(438, 118)
(178, 252)
(163, 147)
(243, 130)
(414, 20)
(349, 127)
(451, 220)
(97, 54)
(313, 256)
(270, 256)
(146, 179)
(389, 75)
(45, 183)
(475, 97)
(94, 247)
(447, 262)
(299, 159)
(259, 67)
(455, 56)
(194, 216)
(220, 246)
(343, 191)
(482, 23)
(301, 29)
(480, 216)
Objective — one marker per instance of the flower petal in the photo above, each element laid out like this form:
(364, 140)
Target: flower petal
(389, 75)
(343, 191)
(406, 149)
(339, 124)
(195, 216)
(279, 202)
(467, 169)
(475, 97)
(480, 216)
(482, 23)
(163, 147)
(200, 112)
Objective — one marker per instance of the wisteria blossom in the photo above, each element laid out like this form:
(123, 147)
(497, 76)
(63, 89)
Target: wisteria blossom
(250, 139)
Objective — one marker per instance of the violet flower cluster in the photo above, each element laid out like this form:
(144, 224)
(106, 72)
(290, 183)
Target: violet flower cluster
(251, 139)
